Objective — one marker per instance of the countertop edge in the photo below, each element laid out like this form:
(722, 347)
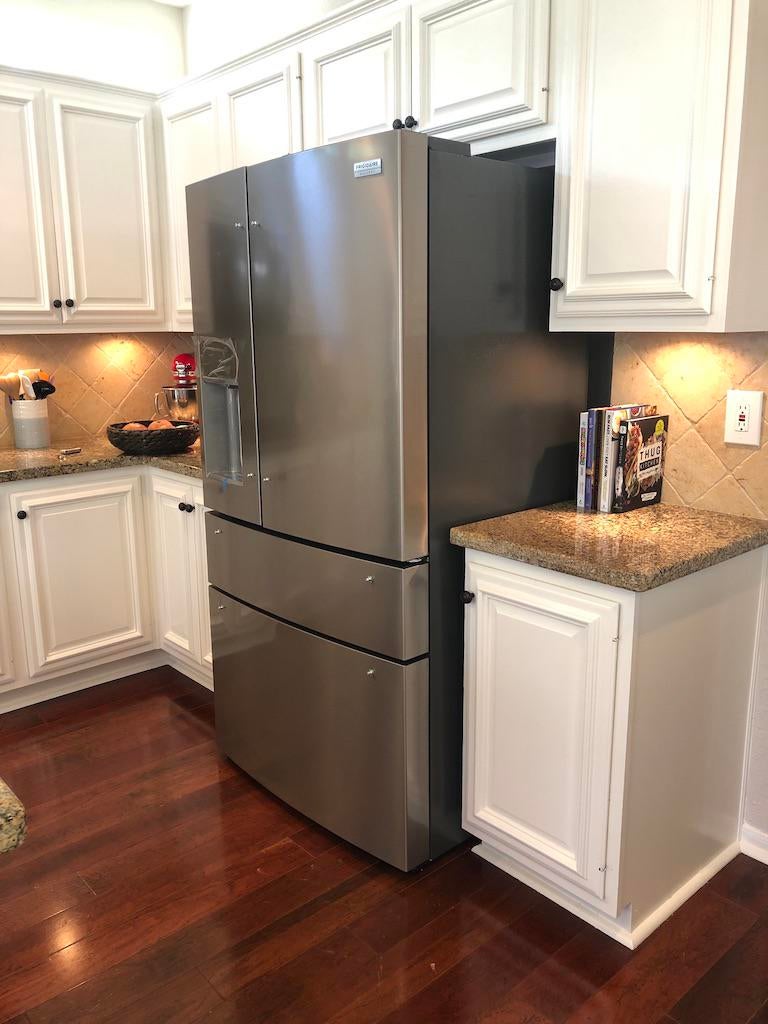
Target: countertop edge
(634, 582)
(101, 463)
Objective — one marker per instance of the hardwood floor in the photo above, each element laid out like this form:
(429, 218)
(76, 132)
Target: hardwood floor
(159, 884)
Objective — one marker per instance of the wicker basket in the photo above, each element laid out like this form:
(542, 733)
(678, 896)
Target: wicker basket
(153, 442)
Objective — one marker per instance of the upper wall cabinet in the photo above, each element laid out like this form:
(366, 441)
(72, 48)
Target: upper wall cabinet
(192, 152)
(104, 186)
(356, 77)
(480, 66)
(28, 270)
(659, 186)
(260, 106)
(78, 184)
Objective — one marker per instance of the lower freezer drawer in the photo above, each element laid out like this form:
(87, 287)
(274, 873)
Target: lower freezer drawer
(340, 735)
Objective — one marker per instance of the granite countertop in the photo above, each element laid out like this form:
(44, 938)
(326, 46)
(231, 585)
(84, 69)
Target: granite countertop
(30, 465)
(13, 821)
(634, 550)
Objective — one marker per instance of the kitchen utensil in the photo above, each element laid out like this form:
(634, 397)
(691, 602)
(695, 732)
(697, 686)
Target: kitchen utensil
(180, 403)
(26, 390)
(9, 385)
(42, 388)
(172, 441)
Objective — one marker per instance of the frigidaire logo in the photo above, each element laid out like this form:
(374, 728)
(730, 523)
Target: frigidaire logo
(364, 168)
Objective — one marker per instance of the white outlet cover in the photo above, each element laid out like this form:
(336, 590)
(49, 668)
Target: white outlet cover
(743, 417)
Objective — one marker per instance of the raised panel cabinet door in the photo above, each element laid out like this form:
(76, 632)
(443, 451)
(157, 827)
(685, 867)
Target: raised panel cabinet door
(81, 559)
(480, 66)
(356, 78)
(539, 697)
(191, 134)
(204, 607)
(105, 196)
(28, 267)
(261, 111)
(639, 159)
(176, 576)
(7, 668)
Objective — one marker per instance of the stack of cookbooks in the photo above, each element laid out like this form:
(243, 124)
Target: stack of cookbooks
(621, 457)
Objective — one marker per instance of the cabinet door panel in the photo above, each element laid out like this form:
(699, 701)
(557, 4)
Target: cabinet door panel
(104, 183)
(206, 656)
(28, 269)
(191, 153)
(81, 557)
(639, 159)
(177, 581)
(539, 701)
(480, 66)
(356, 79)
(261, 114)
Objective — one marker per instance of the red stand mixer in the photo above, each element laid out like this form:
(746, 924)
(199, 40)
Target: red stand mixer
(180, 398)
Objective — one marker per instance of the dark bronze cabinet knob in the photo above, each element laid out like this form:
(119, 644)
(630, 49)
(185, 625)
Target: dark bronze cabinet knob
(467, 597)
(556, 284)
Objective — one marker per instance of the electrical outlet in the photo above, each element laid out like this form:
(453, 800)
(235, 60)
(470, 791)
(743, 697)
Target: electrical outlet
(743, 417)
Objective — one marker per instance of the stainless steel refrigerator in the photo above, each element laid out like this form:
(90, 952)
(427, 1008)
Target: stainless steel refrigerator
(374, 367)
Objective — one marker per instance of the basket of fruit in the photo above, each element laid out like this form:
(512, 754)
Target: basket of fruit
(153, 437)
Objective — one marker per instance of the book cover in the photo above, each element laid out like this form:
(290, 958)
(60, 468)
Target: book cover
(613, 418)
(590, 490)
(581, 479)
(640, 462)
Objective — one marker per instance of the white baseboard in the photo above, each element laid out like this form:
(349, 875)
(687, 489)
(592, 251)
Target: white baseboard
(754, 843)
(36, 693)
(619, 928)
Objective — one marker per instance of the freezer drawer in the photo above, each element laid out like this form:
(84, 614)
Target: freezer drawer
(338, 734)
(383, 608)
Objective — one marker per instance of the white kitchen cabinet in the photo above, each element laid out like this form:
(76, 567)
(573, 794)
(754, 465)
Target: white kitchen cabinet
(175, 565)
(104, 178)
(540, 699)
(660, 165)
(191, 133)
(201, 588)
(260, 110)
(28, 268)
(480, 67)
(7, 667)
(604, 732)
(81, 558)
(356, 77)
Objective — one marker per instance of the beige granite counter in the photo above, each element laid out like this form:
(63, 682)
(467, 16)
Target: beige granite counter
(30, 465)
(635, 550)
(13, 821)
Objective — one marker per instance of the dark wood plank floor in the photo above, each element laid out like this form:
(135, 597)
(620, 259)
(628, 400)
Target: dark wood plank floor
(159, 884)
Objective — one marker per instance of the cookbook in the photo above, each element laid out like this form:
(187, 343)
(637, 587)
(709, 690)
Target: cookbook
(641, 452)
(612, 419)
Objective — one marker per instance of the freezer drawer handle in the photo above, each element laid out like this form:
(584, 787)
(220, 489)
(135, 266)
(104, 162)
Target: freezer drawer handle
(467, 597)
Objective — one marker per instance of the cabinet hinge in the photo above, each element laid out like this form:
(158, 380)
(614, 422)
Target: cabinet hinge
(603, 868)
(614, 639)
(545, 88)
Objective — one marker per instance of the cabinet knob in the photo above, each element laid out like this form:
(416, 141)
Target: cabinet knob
(397, 124)
(69, 303)
(190, 508)
(556, 284)
(21, 515)
(467, 597)
(410, 121)
(57, 303)
(182, 506)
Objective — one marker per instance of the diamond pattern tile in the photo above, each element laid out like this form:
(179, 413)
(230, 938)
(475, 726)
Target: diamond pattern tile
(687, 375)
(100, 378)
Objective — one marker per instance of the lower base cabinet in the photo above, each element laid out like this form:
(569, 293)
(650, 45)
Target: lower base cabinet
(605, 733)
(99, 569)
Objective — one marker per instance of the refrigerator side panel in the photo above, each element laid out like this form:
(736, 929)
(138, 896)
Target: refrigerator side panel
(326, 269)
(504, 403)
(217, 214)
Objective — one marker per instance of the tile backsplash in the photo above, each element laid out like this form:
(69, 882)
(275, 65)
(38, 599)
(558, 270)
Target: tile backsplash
(687, 375)
(99, 378)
